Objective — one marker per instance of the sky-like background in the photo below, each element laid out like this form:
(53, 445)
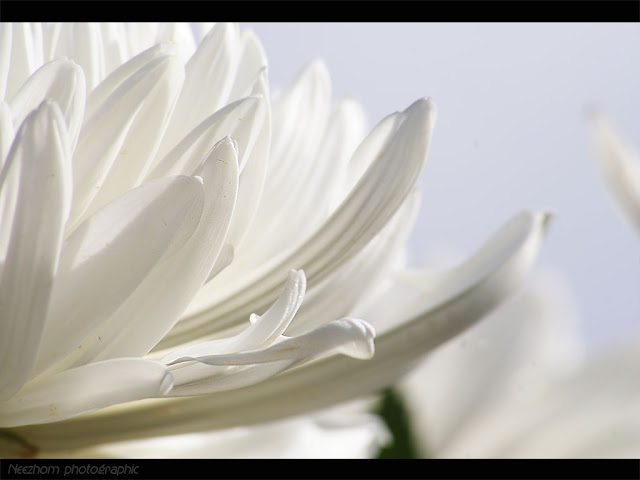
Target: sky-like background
(512, 133)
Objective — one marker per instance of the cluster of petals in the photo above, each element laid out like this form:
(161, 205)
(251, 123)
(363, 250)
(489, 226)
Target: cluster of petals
(154, 196)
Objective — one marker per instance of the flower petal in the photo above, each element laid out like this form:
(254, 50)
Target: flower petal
(61, 81)
(106, 259)
(264, 330)
(5, 56)
(327, 435)
(7, 132)
(299, 119)
(373, 202)
(241, 120)
(473, 289)
(209, 75)
(254, 166)
(252, 60)
(163, 78)
(349, 336)
(82, 42)
(84, 389)
(26, 55)
(158, 302)
(358, 276)
(39, 163)
(119, 109)
(621, 167)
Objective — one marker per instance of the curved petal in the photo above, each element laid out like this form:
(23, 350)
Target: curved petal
(215, 373)
(116, 114)
(39, 163)
(300, 114)
(254, 167)
(472, 290)
(264, 330)
(111, 254)
(252, 60)
(26, 55)
(373, 202)
(84, 389)
(621, 168)
(82, 42)
(7, 132)
(208, 80)
(61, 81)
(327, 435)
(5, 56)
(241, 120)
(163, 78)
(157, 303)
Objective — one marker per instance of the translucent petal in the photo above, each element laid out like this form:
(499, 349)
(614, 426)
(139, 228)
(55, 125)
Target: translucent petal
(61, 81)
(135, 158)
(157, 303)
(82, 42)
(106, 259)
(490, 275)
(137, 109)
(108, 133)
(208, 80)
(252, 60)
(360, 217)
(39, 162)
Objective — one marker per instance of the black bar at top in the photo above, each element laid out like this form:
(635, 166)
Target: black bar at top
(323, 11)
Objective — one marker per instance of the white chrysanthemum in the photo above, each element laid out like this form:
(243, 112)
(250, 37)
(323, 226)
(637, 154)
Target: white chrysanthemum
(153, 197)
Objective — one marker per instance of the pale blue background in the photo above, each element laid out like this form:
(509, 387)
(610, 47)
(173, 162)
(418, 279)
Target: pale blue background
(512, 133)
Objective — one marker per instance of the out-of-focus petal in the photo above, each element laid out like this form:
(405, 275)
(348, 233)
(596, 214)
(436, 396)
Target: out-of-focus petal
(621, 168)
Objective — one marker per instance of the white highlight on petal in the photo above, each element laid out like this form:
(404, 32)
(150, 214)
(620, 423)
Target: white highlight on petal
(157, 303)
(111, 254)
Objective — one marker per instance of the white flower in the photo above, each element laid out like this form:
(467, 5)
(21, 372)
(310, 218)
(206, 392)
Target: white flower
(519, 385)
(150, 206)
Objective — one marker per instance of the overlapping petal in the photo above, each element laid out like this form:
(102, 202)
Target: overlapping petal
(36, 180)
(165, 198)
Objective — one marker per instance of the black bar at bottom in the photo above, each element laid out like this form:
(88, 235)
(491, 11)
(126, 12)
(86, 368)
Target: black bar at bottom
(319, 469)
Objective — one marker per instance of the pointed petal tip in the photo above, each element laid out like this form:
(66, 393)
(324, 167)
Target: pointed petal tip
(318, 70)
(423, 106)
(544, 219)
